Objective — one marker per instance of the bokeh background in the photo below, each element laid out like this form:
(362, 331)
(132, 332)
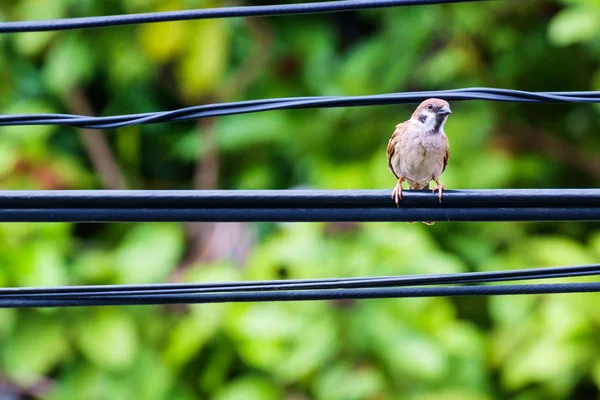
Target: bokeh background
(524, 347)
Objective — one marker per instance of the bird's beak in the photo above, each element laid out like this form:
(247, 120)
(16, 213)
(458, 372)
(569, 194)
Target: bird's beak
(444, 111)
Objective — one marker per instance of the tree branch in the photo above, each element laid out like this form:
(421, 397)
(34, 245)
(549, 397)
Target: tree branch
(96, 145)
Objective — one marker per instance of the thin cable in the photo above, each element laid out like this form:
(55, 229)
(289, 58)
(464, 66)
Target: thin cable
(253, 106)
(338, 294)
(68, 292)
(299, 205)
(302, 199)
(299, 215)
(223, 12)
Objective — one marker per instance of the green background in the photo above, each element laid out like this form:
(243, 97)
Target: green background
(523, 347)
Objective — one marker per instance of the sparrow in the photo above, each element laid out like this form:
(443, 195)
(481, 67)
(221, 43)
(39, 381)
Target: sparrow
(418, 150)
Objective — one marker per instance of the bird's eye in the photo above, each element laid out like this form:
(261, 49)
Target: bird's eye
(430, 106)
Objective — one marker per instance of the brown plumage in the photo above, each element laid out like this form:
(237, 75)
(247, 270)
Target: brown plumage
(418, 150)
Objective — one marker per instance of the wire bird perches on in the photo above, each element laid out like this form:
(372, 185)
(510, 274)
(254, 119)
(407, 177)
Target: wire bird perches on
(252, 106)
(222, 12)
(305, 289)
(299, 205)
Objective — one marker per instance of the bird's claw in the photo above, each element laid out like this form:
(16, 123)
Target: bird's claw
(397, 195)
(440, 188)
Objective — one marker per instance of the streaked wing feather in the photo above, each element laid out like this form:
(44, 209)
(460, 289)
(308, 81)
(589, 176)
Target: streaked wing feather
(446, 156)
(391, 148)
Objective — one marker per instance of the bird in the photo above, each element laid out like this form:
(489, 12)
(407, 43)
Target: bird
(418, 150)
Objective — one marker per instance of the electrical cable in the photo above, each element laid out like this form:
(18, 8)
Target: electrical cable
(68, 292)
(299, 206)
(262, 105)
(305, 295)
(299, 215)
(222, 12)
(296, 198)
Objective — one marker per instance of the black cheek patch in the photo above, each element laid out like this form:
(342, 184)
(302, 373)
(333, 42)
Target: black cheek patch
(422, 118)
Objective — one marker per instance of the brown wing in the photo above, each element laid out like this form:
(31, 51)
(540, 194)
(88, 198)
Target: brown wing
(446, 157)
(391, 148)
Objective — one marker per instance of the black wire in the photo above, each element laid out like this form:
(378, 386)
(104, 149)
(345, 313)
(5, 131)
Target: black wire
(223, 12)
(304, 295)
(303, 199)
(252, 106)
(69, 292)
(298, 205)
(298, 215)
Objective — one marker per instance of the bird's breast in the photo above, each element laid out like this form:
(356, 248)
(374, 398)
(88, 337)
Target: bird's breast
(420, 155)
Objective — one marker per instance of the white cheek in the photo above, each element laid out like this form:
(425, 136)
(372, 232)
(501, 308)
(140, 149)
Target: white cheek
(430, 121)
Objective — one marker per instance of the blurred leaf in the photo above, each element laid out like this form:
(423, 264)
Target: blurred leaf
(316, 347)
(8, 319)
(595, 243)
(94, 266)
(152, 379)
(234, 134)
(264, 322)
(427, 361)
(355, 75)
(205, 59)
(249, 388)
(557, 251)
(319, 56)
(129, 143)
(216, 370)
(574, 25)
(452, 394)
(498, 171)
(69, 64)
(545, 360)
(8, 158)
(596, 373)
(272, 337)
(148, 253)
(33, 43)
(191, 333)
(108, 338)
(347, 382)
(450, 62)
(165, 40)
(35, 349)
(84, 381)
(42, 264)
(511, 311)
(128, 65)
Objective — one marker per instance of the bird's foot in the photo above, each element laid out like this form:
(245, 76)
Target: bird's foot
(397, 193)
(439, 188)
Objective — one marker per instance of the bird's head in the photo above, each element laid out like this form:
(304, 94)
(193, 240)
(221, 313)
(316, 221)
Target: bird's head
(432, 113)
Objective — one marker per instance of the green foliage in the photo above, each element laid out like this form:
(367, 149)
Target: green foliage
(148, 253)
(520, 347)
(23, 359)
(95, 330)
(575, 24)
